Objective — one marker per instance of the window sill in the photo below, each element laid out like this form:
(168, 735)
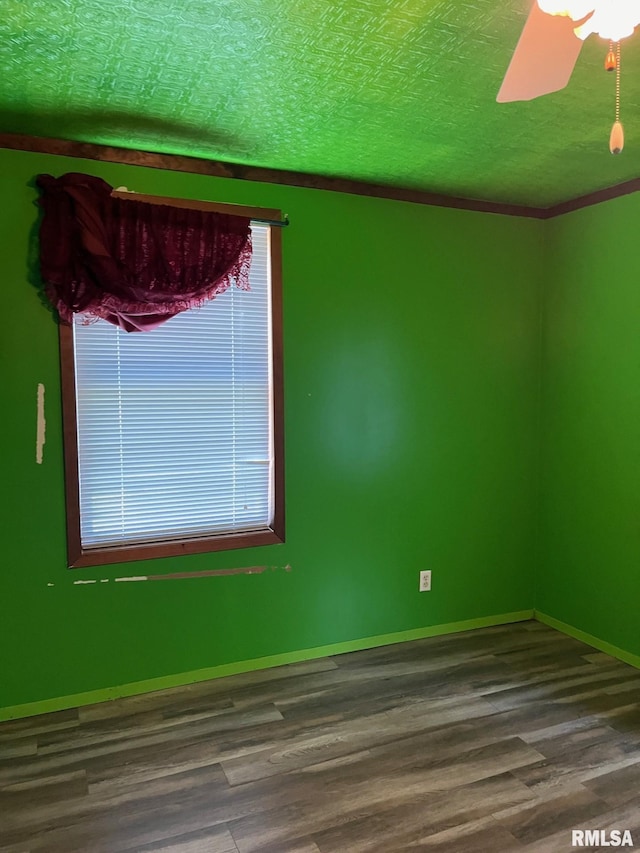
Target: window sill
(158, 550)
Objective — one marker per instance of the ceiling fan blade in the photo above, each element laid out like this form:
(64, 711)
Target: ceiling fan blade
(544, 57)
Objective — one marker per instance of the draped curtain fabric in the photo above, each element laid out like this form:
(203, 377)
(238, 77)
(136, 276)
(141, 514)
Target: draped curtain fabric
(130, 262)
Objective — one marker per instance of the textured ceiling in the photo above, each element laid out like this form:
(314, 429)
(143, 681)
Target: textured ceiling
(397, 92)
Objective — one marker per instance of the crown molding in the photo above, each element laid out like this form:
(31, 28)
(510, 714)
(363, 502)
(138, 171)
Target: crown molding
(221, 169)
(597, 197)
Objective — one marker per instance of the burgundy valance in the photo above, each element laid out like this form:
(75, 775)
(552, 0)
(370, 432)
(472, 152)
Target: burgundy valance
(130, 262)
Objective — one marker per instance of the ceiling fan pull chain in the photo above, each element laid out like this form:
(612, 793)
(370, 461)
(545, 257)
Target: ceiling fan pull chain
(618, 83)
(616, 140)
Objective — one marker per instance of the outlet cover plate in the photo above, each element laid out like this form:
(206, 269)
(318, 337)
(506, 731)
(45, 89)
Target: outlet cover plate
(425, 581)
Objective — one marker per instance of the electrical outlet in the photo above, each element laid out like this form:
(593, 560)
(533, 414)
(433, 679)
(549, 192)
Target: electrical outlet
(425, 581)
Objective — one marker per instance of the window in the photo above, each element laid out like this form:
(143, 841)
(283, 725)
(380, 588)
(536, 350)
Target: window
(173, 437)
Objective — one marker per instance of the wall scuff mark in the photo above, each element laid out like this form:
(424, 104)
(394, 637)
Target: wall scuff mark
(210, 573)
(41, 424)
(133, 578)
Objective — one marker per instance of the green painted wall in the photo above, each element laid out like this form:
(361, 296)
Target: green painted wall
(411, 416)
(590, 533)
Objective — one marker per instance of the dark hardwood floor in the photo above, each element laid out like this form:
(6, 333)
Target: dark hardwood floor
(501, 739)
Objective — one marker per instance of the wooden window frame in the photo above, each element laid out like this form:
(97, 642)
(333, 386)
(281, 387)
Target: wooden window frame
(79, 557)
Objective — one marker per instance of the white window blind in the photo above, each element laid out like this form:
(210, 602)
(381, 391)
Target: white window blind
(175, 432)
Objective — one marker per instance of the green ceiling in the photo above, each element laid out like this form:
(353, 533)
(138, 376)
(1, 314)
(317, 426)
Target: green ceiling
(397, 92)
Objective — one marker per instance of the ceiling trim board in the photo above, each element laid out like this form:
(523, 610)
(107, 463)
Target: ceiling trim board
(221, 169)
(596, 197)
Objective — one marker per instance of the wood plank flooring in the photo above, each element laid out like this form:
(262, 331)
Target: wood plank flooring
(501, 739)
